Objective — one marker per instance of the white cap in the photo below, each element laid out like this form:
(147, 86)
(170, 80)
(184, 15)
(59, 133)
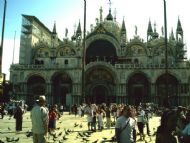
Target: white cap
(42, 98)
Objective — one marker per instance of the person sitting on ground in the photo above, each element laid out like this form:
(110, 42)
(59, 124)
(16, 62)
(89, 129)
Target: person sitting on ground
(167, 127)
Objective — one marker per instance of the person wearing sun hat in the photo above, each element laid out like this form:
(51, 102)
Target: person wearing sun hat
(40, 119)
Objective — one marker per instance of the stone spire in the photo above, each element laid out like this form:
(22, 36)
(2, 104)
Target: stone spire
(123, 29)
(172, 35)
(79, 31)
(179, 27)
(155, 34)
(179, 31)
(54, 29)
(149, 31)
(54, 36)
(123, 33)
(54, 33)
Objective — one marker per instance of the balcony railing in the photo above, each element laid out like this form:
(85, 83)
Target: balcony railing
(116, 65)
(151, 66)
(42, 67)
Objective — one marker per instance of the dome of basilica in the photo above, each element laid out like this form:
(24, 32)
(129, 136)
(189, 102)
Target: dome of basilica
(112, 27)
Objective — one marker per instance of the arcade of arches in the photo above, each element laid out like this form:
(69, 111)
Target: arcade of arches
(100, 87)
(60, 88)
(140, 89)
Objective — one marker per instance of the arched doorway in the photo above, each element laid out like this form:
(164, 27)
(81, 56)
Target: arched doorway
(35, 86)
(101, 50)
(99, 85)
(167, 90)
(138, 89)
(61, 89)
(99, 94)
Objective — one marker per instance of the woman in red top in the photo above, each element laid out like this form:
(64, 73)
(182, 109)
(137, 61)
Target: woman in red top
(52, 119)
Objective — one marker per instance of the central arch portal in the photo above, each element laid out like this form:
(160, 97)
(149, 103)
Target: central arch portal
(100, 85)
(138, 89)
(99, 94)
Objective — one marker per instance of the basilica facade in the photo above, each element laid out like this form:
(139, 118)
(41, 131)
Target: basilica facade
(108, 68)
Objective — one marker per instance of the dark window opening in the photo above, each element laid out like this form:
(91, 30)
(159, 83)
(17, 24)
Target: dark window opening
(66, 62)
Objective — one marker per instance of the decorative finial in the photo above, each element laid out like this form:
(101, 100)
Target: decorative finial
(75, 26)
(135, 30)
(101, 11)
(115, 13)
(155, 26)
(110, 4)
(66, 32)
(54, 28)
(162, 30)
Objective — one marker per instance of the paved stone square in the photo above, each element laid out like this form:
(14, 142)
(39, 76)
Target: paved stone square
(70, 129)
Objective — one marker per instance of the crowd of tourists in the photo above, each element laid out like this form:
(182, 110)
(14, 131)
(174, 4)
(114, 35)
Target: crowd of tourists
(129, 121)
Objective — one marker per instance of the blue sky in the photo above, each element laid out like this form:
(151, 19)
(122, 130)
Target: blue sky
(67, 14)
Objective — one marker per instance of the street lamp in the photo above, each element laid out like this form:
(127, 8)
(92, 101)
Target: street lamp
(2, 37)
(83, 55)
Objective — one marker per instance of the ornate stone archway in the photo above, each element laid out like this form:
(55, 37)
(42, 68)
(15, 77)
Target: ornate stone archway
(36, 85)
(100, 85)
(167, 89)
(61, 88)
(138, 89)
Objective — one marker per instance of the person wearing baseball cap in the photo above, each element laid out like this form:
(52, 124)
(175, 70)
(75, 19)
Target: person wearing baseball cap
(40, 119)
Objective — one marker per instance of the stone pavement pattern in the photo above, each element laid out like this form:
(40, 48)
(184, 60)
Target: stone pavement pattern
(70, 129)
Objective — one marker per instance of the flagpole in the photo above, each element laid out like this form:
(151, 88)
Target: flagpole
(14, 48)
(166, 100)
(2, 37)
(83, 55)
